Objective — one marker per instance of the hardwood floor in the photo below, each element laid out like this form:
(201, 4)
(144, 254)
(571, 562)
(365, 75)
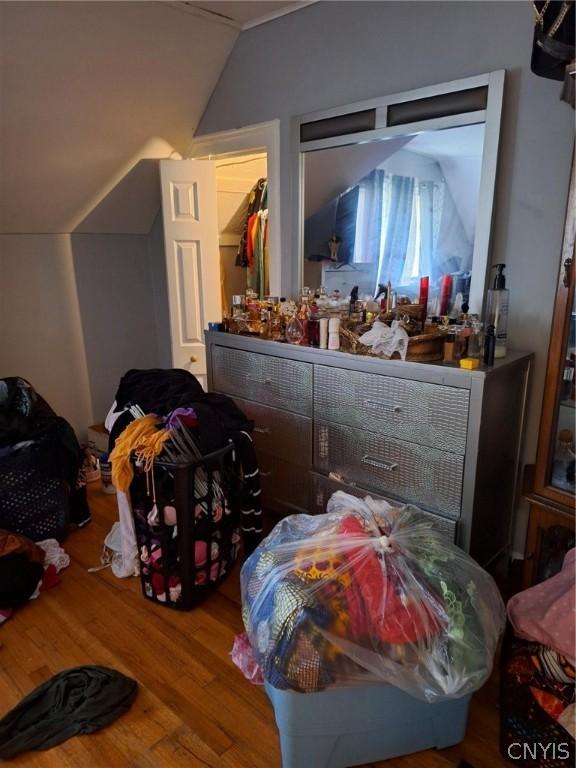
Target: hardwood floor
(194, 707)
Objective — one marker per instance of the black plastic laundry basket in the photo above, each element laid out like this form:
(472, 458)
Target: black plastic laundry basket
(33, 501)
(186, 518)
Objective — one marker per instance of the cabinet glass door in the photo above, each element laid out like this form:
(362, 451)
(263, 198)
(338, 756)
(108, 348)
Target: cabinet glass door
(563, 449)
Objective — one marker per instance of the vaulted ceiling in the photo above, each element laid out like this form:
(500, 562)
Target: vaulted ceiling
(245, 14)
(88, 90)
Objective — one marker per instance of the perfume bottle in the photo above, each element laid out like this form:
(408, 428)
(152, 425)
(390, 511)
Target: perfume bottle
(313, 327)
(304, 314)
(294, 330)
(277, 328)
(475, 340)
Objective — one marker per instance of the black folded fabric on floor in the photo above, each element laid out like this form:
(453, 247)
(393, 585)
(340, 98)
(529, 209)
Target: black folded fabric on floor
(76, 701)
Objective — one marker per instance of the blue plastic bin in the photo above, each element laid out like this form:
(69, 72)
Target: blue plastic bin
(341, 727)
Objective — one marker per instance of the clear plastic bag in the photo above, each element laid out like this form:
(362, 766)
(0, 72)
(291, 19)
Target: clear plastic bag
(369, 592)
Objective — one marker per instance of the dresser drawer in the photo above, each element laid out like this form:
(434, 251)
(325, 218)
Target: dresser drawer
(427, 414)
(322, 488)
(429, 478)
(266, 379)
(285, 435)
(285, 486)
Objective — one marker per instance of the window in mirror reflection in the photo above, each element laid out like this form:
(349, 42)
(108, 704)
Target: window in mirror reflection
(393, 210)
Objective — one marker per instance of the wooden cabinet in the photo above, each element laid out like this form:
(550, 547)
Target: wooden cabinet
(550, 536)
(552, 492)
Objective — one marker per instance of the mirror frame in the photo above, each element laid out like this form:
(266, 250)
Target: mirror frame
(490, 116)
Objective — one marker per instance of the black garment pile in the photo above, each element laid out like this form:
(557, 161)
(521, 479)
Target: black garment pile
(77, 701)
(220, 420)
(40, 459)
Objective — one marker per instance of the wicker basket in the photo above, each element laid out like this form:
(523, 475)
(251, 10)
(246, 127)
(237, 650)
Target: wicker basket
(413, 311)
(426, 347)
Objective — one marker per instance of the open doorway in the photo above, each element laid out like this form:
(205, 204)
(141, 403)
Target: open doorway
(201, 279)
(244, 157)
(243, 224)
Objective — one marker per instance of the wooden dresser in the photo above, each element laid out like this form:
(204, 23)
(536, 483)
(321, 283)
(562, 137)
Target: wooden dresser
(434, 435)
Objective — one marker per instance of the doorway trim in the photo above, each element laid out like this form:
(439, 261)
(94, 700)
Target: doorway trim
(252, 138)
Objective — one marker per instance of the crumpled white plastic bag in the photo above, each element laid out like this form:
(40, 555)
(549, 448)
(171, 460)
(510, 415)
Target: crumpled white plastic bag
(386, 339)
(114, 555)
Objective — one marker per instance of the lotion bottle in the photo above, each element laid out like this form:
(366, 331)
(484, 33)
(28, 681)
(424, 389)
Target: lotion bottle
(497, 303)
(334, 333)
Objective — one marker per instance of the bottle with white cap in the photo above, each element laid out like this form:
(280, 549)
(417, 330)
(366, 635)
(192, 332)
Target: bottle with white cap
(334, 333)
(323, 333)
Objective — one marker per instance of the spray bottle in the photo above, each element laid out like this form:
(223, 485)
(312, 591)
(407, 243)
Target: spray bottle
(497, 310)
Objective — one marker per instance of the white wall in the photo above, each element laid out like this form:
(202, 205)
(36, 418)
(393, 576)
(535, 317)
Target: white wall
(114, 286)
(333, 53)
(92, 93)
(235, 178)
(41, 336)
(329, 172)
(88, 90)
(157, 257)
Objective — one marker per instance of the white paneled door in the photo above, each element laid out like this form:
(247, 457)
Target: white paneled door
(192, 258)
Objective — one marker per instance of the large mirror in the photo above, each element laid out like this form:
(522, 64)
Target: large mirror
(382, 209)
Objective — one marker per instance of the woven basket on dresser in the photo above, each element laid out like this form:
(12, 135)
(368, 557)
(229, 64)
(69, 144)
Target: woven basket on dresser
(425, 347)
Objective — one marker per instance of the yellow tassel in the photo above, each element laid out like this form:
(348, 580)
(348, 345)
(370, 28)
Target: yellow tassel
(145, 440)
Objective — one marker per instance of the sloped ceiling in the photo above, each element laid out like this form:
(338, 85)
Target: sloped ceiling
(90, 91)
(249, 13)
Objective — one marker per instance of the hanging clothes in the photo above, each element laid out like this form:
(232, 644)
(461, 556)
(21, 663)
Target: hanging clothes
(253, 248)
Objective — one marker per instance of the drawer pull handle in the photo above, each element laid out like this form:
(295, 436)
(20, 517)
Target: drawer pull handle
(383, 406)
(381, 463)
(266, 474)
(259, 381)
(262, 430)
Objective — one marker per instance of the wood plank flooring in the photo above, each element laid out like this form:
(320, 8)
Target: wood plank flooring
(194, 708)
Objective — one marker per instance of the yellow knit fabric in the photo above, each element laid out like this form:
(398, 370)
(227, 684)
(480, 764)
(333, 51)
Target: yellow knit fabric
(142, 438)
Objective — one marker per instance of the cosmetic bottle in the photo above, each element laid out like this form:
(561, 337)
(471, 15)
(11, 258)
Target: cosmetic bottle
(445, 294)
(294, 330)
(277, 328)
(313, 328)
(238, 306)
(423, 297)
(323, 332)
(489, 346)
(461, 341)
(475, 341)
(334, 333)
(449, 347)
(497, 301)
(265, 326)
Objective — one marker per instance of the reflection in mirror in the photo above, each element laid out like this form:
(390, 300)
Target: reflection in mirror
(564, 457)
(392, 211)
